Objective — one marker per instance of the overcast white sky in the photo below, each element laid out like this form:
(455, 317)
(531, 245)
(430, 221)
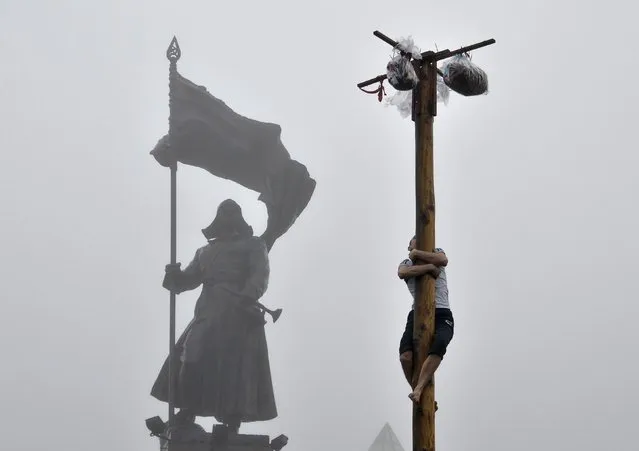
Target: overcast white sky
(535, 189)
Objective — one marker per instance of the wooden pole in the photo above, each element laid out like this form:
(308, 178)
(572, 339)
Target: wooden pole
(173, 54)
(424, 112)
(425, 109)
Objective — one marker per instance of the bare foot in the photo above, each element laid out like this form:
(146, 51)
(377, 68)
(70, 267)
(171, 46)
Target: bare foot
(416, 396)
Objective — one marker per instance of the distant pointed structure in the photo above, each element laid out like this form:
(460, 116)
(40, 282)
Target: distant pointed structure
(386, 441)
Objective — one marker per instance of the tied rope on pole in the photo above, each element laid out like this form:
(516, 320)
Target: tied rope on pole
(380, 91)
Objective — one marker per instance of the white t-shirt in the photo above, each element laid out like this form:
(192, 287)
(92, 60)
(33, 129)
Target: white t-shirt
(441, 286)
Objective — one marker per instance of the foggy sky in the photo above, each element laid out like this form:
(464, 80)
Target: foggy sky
(535, 187)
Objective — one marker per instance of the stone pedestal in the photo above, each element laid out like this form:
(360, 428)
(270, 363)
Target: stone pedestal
(193, 437)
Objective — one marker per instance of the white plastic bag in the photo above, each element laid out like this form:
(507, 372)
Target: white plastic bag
(407, 45)
(400, 71)
(403, 100)
(442, 91)
(464, 77)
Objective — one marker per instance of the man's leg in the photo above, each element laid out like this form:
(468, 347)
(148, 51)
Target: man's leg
(426, 374)
(406, 349)
(444, 330)
(406, 359)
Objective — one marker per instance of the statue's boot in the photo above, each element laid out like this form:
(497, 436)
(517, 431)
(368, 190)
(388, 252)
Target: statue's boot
(184, 417)
(233, 424)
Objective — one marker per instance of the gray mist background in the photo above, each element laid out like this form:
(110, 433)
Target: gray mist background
(535, 192)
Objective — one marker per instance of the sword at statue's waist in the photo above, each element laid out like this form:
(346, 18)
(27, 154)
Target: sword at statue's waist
(236, 290)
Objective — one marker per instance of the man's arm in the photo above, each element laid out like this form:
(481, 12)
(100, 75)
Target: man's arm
(407, 272)
(433, 258)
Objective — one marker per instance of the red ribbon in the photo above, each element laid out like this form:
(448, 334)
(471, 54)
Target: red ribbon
(380, 91)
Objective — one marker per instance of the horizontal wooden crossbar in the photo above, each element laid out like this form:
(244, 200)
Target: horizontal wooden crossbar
(428, 56)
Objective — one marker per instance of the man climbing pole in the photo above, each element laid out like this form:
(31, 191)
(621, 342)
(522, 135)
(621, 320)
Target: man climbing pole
(431, 264)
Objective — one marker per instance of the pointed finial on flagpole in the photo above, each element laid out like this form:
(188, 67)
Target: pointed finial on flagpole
(173, 53)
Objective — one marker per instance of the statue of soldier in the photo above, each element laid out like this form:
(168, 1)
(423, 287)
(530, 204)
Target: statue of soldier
(221, 363)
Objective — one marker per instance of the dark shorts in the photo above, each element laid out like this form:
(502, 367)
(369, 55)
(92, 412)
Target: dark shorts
(444, 331)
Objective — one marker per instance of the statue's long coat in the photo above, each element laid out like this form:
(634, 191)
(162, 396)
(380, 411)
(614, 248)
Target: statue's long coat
(221, 365)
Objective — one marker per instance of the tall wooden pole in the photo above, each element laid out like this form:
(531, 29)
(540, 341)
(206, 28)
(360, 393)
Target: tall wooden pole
(425, 109)
(424, 112)
(173, 54)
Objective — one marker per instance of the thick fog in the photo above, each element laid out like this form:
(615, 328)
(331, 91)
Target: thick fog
(535, 187)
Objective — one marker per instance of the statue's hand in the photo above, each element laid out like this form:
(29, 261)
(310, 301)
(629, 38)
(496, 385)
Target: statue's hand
(172, 268)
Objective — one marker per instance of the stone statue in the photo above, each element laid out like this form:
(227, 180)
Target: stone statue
(221, 360)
